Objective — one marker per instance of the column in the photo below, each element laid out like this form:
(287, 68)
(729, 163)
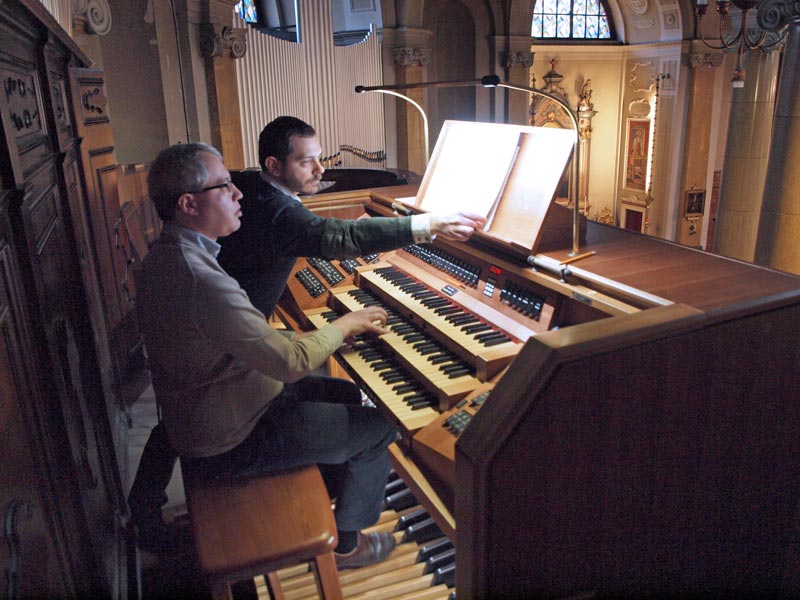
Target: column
(514, 60)
(88, 24)
(778, 241)
(220, 44)
(698, 134)
(746, 156)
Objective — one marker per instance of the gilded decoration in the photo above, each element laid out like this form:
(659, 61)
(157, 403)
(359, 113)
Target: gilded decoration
(606, 216)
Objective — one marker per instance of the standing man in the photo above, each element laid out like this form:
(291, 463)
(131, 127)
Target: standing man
(277, 229)
(235, 393)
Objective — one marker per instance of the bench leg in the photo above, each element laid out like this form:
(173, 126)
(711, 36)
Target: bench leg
(327, 576)
(274, 586)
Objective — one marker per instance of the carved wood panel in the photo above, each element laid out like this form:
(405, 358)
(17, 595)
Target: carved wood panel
(97, 154)
(102, 206)
(29, 555)
(21, 105)
(72, 443)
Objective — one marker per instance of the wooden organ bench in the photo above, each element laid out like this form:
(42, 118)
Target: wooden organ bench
(253, 527)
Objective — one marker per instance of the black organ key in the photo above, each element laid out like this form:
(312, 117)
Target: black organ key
(405, 387)
(475, 328)
(400, 500)
(461, 319)
(440, 561)
(423, 531)
(439, 302)
(441, 358)
(408, 519)
(445, 575)
(433, 548)
(394, 486)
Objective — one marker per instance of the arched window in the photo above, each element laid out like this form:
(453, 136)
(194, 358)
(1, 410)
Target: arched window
(572, 19)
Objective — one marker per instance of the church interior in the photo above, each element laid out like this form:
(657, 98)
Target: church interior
(635, 433)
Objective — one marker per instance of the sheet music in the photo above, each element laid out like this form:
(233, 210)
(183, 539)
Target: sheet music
(468, 167)
(507, 173)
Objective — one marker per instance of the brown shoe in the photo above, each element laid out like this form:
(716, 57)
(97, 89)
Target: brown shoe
(370, 549)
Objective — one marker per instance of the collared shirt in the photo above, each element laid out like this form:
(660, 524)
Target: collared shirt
(206, 242)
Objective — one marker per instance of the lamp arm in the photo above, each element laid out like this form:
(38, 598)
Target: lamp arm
(360, 89)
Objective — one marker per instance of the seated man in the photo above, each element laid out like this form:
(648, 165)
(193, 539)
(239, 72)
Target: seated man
(276, 229)
(234, 393)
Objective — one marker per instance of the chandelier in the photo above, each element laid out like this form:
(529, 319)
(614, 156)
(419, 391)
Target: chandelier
(757, 39)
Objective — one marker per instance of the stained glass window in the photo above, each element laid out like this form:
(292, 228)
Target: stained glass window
(571, 19)
(247, 11)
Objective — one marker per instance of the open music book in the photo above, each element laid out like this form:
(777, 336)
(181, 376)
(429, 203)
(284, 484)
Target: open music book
(508, 173)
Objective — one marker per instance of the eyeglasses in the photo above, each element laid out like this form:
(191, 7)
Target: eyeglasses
(224, 184)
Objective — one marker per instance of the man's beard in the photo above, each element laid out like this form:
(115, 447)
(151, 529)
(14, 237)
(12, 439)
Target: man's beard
(309, 186)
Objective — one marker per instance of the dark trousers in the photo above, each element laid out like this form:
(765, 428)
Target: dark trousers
(315, 420)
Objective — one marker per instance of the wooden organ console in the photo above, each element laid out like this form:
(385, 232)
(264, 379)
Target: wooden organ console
(624, 424)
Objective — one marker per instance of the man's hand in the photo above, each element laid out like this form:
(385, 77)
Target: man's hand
(372, 320)
(458, 227)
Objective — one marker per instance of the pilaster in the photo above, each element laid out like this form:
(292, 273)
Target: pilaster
(220, 44)
(513, 59)
(90, 20)
(703, 65)
(410, 53)
(779, 227)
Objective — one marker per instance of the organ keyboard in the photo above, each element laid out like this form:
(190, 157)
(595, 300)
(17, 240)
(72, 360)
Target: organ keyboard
(608, 438)
(580, 407)
(309, 282)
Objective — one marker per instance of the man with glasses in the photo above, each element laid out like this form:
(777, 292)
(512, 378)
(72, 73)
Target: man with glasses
(277, 229)
(236, 394)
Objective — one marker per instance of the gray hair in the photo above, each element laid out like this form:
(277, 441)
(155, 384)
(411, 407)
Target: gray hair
(175, 171)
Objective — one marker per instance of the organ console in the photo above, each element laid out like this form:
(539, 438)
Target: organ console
(620, 424)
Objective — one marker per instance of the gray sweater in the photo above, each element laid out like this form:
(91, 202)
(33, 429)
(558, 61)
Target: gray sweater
(215, 362)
